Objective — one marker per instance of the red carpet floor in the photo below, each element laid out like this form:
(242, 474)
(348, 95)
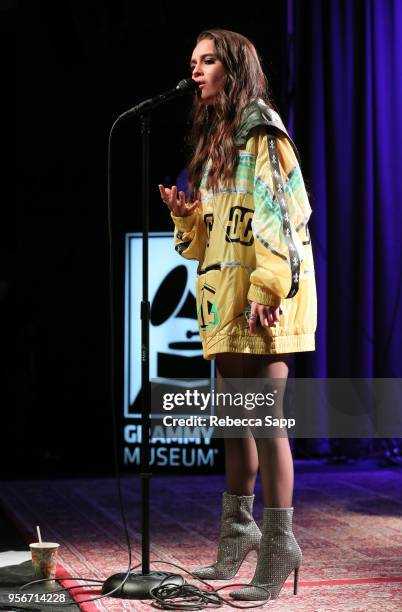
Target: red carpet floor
(348, 524)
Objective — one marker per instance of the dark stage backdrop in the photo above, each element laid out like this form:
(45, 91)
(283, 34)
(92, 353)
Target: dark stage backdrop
(80, 64)
(349, 129)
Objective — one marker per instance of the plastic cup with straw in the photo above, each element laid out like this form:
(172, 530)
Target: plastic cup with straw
(44, 557)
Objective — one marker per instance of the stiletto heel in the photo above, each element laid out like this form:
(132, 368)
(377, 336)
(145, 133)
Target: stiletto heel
(278, 557)
(296, 580)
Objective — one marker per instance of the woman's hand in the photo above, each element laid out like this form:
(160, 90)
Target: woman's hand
(178, 206)
(267, 315)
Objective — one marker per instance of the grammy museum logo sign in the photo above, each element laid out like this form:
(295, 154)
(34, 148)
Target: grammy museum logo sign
(175, 350)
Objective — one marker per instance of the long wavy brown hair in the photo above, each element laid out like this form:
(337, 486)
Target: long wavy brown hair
(213, 127)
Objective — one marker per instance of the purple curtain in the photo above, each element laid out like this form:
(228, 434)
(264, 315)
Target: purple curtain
(348, 126)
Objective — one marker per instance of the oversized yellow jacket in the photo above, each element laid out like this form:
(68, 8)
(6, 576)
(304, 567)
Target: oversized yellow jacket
(252, 242)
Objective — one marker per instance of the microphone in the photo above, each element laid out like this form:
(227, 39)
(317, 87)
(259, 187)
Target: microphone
(185, 86)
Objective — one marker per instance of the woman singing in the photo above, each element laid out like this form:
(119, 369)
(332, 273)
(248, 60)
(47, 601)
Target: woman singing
(245, 221)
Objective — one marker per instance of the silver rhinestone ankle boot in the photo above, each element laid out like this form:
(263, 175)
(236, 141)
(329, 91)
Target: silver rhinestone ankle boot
(239, 535)
(279, 555)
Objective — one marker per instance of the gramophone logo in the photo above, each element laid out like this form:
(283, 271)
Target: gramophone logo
(175, 347)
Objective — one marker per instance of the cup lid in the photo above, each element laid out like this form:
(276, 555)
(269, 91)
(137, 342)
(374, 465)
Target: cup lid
(44, 545)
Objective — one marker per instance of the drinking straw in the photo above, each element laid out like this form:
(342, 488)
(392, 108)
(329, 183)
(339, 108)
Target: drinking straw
(39, 535)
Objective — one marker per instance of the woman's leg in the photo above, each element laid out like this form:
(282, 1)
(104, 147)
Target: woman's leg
(239, 533)
(279, 553)
(274, 454)
(241, 459)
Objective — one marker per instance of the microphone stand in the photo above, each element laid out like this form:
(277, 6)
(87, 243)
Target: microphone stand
(138, 584)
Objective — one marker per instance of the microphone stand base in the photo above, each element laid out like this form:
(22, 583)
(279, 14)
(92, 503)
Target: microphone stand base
(138, 585)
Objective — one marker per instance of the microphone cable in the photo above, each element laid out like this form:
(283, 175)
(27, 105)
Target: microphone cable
(113, 407)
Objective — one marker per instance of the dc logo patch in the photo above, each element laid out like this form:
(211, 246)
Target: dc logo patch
(239, 226)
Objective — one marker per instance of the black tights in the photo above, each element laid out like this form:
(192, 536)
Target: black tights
(243, 456)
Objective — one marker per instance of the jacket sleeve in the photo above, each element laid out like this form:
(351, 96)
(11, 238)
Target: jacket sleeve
(280, 218)
(190, 235)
